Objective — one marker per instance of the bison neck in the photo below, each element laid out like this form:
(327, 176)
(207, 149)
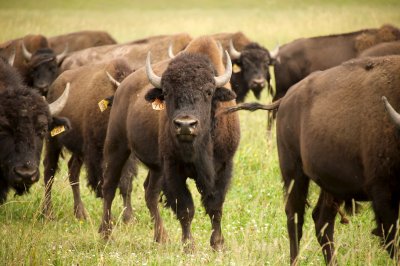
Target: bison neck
(239, 86)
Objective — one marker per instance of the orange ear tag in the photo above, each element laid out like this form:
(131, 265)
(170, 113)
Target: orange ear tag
(158, 105)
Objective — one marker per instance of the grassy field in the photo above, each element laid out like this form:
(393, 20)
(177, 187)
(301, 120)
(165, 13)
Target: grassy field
(254, 222)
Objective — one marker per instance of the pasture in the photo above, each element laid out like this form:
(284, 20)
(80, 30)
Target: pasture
(254, 221)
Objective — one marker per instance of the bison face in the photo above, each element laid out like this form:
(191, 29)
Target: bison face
(24, 122)
(252, 67)
(42, 75)
(189, 90)
(42, 68)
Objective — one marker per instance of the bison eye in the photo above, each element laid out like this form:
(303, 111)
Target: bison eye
(209, 92)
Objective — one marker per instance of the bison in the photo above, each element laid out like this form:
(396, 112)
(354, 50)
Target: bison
(25, 119)
(89, 85)
(382, 49)
(80, 40)
(180, 138)
(134, 52)
(301, 57)
(332, 129)
(35, 60)
(251, 64)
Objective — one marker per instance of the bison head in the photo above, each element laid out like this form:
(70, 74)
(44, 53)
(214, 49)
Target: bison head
(251, 68)
(43, 67)
(25, 118)
(189, 90)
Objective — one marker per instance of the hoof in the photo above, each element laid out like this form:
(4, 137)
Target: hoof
(80, 212)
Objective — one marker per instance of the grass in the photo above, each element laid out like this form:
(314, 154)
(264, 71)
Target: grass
(254, 222)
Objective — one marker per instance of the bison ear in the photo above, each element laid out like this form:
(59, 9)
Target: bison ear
(153, 94)
(59, 125)
(224, 95)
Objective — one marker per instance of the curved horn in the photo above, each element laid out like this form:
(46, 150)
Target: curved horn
(234, 53)
(25, 52)
(153, 78)
(61, 56)
(392, 113)
(58, 105)
(170, 51)
(224, 78)
(274, 53)
(113, 81)
(11, 58)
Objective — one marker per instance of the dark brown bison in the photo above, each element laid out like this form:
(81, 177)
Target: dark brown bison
(134, 52)
(89, 85)
(301, 57)
(251, 64)
(181, 138)
(382, 49)
(35, 60)
(332, 129)
(80, 40)
(25, 118)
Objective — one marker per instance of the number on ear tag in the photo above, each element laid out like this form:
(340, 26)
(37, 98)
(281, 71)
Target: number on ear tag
(57, 130)
(103, 105)
(158, 105)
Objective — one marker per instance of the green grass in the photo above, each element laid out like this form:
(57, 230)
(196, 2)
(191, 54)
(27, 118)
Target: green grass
(254, 222)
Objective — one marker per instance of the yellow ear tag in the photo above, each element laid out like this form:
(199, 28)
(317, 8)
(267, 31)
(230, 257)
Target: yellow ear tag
(103, 105)
(57, 130)
(158, 105)
(236, 68)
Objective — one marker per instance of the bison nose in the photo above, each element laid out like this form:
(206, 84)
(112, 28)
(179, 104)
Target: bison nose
(259, 82)
(185, 126)
(27, 172)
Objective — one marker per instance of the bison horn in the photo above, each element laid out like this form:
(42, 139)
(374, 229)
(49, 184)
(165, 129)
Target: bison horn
(11, 58)
(113, 81)
(392, 113)
(61, 56)
(274, 53)
(234, 53)
(153, 78)
(58, 105)
(224, 78)
(170, 51)
(25, 52)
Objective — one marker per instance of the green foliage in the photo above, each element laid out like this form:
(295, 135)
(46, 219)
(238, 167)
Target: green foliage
(254, 221)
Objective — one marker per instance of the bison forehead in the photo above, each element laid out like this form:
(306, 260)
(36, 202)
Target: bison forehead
(189, 70)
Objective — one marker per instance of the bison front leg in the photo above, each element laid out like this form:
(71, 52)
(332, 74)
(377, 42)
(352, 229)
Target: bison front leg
(114, 159)
(74, 167)
(152, 187)
(125, 186)
(213, 201)
(324, 219)
(50, 167)
(386, 208)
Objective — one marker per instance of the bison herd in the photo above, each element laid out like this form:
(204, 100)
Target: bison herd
(169, 102)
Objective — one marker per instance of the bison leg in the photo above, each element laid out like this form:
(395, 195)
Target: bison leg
(74, 166)
(386, 208)
(213, 203)
(180, 200)
(115, 157)
(296, 189)
(324, 219)
(152, 192)
(50, 163)
(125, 186)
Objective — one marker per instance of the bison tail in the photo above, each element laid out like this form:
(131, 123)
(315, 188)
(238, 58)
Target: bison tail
(251, 107)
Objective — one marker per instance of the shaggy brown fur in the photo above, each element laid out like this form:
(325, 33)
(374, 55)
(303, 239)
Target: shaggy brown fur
(332, 128)
(80, 40)
(382, 49)
(85, 141)
(189, 90)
